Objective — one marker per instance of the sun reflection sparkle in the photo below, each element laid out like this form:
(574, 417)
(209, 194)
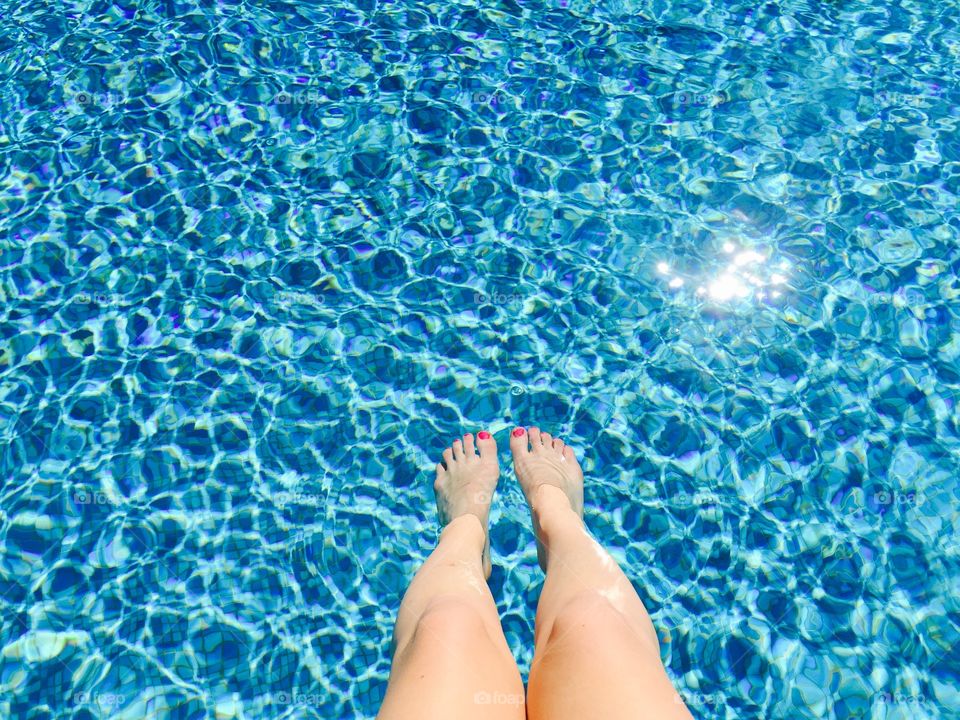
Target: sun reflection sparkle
(748, 274)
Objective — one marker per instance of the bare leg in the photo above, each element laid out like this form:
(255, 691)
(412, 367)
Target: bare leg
(596, 652)
(451, 658)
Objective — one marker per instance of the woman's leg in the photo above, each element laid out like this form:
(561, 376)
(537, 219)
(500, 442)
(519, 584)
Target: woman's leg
(596, 652)
(451, 659)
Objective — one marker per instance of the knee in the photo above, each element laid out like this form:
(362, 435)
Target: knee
(589, 616)
(450, 619)
(588, 610)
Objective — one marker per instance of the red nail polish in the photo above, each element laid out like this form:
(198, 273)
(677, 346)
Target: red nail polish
(518, 432)
(483, 435)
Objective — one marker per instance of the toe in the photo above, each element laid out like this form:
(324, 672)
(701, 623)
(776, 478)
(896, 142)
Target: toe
(441, 477)
(448, 457)
(487, 445)
(519, 442)
(458, 449)
(568, 453)
(558, 446)
(546, 439)
(469, 448)
(536, 442)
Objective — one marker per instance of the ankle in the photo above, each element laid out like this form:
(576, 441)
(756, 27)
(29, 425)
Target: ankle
(466, 528)
(550, 505)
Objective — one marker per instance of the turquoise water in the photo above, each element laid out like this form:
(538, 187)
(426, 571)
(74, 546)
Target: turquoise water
(260, 265)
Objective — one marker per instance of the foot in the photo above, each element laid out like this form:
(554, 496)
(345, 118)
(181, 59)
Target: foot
(465, 483)
(548, 472)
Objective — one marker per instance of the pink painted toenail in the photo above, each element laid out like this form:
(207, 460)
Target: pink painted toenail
(518, 432)
(483, 435)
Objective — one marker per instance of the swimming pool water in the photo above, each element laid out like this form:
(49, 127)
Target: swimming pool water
(259, 265)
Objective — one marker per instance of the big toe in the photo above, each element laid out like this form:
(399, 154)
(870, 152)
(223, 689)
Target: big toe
(519, 442)
(486, 446)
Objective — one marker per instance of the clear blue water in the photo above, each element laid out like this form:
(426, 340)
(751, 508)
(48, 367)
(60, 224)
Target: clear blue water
(259, 265)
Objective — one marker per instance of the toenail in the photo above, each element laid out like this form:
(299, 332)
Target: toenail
(483, 435)
(518, 432)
